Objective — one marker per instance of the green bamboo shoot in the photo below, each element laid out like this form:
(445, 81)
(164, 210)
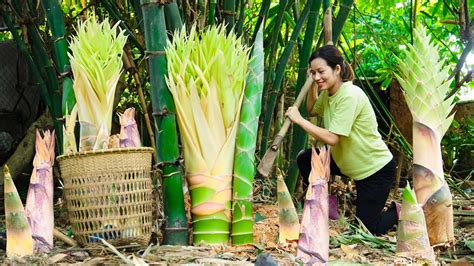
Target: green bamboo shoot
(288, 221)
(207, 75)
(244, 162)
(19, 238)
(97, 68)
(412, 236)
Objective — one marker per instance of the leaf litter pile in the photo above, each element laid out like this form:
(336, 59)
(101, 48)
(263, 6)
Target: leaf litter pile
(350, 242)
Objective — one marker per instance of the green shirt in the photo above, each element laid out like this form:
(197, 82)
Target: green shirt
(360, 151)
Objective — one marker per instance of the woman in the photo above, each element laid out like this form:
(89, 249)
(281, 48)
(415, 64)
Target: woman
(350, 127)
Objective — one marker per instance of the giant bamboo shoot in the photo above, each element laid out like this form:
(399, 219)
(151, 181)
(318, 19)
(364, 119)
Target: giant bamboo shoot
(424, 80)
(207, 77)
(96, 62)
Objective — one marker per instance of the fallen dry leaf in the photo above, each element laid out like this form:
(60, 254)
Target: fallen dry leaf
(349, 251)
(57, 258)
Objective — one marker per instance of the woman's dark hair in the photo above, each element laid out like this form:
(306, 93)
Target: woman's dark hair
(333, 57)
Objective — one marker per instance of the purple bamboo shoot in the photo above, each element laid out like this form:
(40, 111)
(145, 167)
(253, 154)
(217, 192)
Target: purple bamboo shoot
(313, 245)
(129, 135)
(39, 202)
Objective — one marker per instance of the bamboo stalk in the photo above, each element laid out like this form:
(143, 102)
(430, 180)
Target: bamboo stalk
(279, 75)
(164, 116)
(41, 58)
(55, 18)
(138, 12)
(463, 213)
(327, 26)
(172, 16)
(262, 14)
(398, 173)
(241, 18)
(463, 202)
(341, 17)
(212, 13)
(299, 136)
(115, 14)
(269, 76)
(228, 11)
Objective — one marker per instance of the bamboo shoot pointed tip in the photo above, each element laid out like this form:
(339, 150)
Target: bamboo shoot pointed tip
(6, 171)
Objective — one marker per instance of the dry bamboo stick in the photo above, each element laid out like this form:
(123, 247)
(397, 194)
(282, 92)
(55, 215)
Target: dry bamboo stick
(59, 235)
(130, 65)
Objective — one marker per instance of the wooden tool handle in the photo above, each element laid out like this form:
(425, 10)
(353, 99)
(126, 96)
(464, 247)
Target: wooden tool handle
(266, 164)
(286, 125)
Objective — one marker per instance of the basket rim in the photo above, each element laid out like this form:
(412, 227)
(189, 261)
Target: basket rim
(107, 151)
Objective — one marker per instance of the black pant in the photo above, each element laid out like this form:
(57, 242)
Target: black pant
(372, 193)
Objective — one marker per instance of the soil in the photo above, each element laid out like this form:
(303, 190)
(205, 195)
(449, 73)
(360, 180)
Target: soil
(349, 244)
(266, 245)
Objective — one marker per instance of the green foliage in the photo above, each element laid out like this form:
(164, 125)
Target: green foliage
(470, 244)
(6, 35)
(357, 235)
(383, 28)
(458, 141)
(259, 217)
(72, 7)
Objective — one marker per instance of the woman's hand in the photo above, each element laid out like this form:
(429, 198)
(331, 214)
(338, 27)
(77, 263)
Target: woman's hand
(309, 76)
(294, 114)
(312, 92)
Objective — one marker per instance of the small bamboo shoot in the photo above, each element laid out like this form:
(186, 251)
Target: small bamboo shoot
(288, 221)
(19, 240)
(412, 236)
(129, 135)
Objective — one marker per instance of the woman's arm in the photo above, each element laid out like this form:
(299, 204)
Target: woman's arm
(312, 95)
(317, 132)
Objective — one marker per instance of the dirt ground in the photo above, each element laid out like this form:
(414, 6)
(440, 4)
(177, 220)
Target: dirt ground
(357, 251)
(349, 244)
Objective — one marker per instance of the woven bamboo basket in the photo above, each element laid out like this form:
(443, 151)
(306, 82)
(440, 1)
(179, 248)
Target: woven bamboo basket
(109, 195)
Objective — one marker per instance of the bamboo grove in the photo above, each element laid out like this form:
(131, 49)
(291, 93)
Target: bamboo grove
(183, 86)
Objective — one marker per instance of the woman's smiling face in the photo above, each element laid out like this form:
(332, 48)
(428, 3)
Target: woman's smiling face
(326, 77)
